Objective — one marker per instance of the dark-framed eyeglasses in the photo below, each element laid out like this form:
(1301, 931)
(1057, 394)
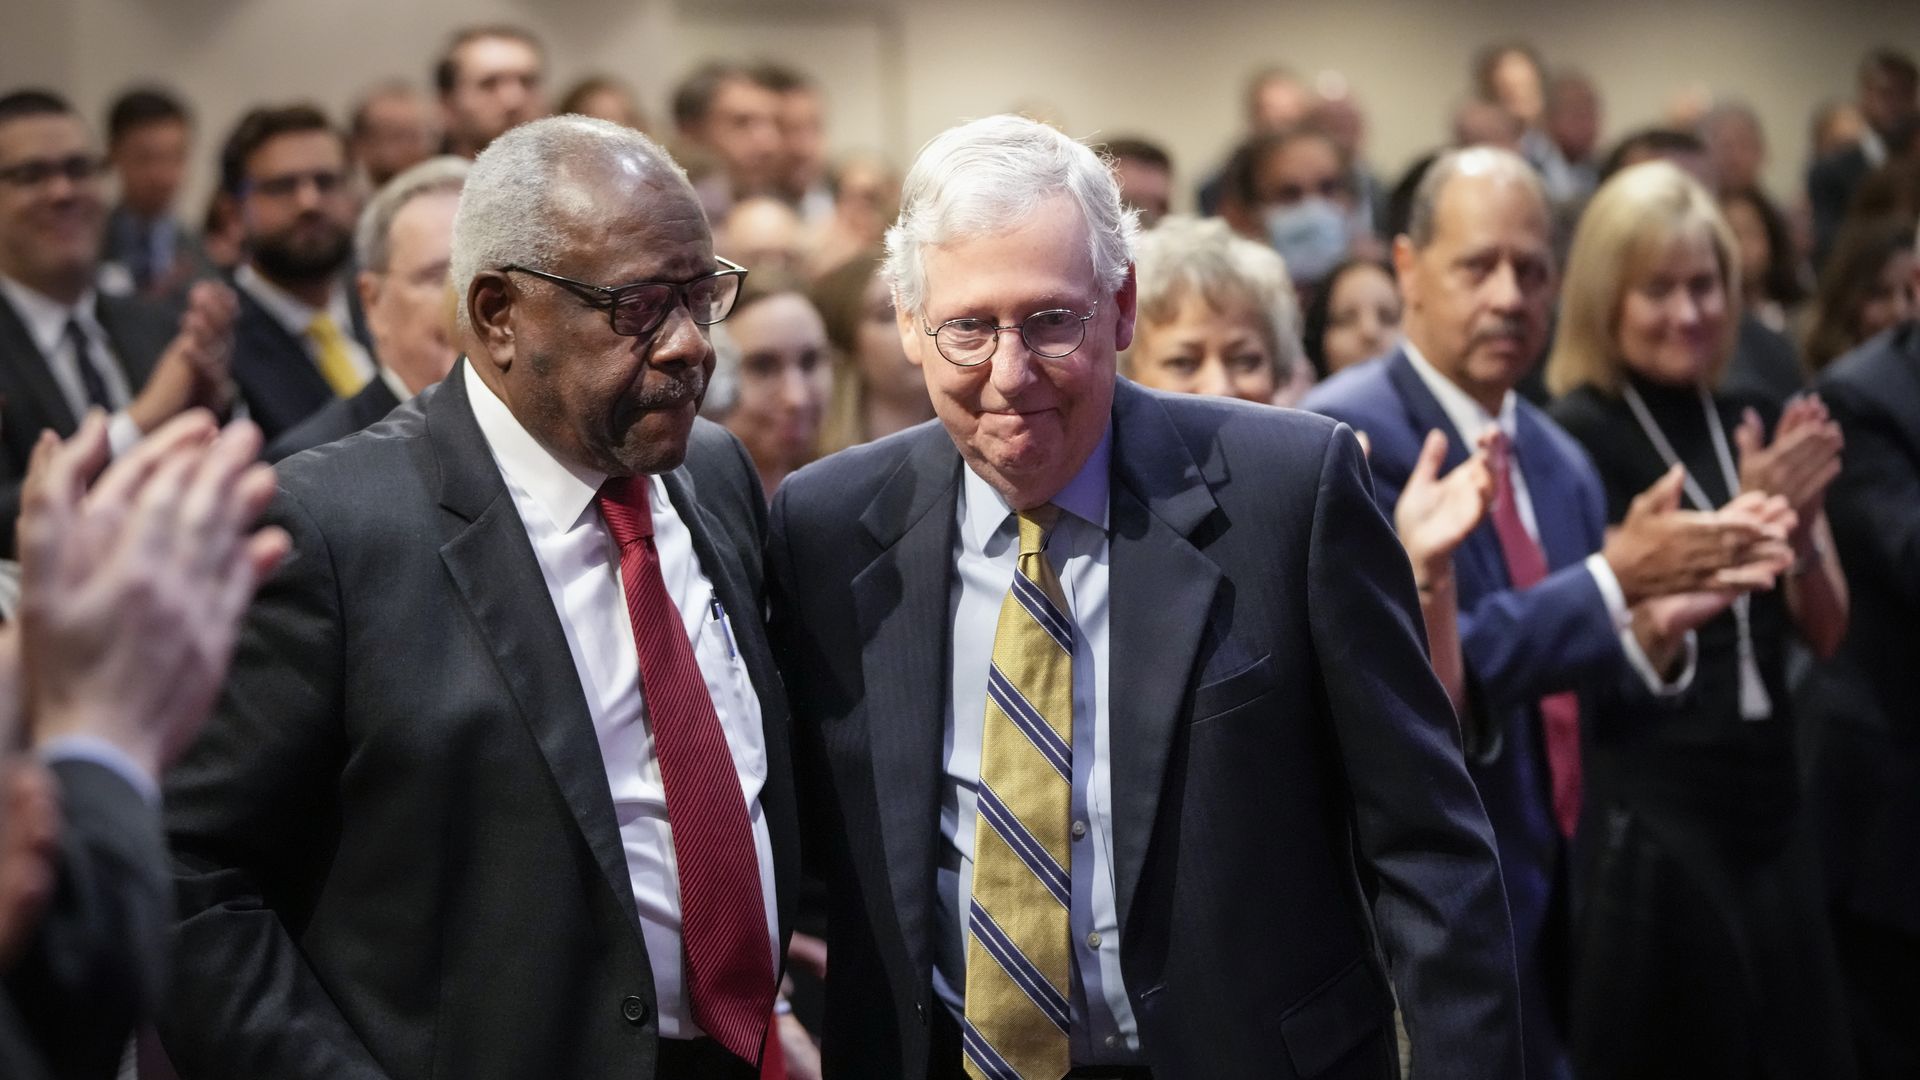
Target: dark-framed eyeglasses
(1054, 333)
(638, 309)
(78, 168)
(286, 185)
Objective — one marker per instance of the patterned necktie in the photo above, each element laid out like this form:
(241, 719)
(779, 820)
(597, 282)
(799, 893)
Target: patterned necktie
(723, 917)
(1559, 713)
(90, 380)
(330, 351)
(1018, 961)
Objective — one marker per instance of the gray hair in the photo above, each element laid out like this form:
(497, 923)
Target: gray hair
(372, 240)
(1478, 160)
(517, 198)
(986, 176)
(1186, 256)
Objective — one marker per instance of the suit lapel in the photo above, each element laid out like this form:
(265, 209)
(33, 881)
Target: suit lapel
(31, 372)
(493, 567)
(1481, 549)
(1560, 527)
(901, 602)
(1161, 589)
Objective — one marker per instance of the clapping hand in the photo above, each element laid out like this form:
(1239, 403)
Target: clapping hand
(1802, 459)
(1435, 514)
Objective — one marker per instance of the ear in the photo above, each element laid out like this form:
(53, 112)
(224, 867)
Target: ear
(232, 209)
(490, 302)
(1125, 308)
(912, 339)
(1406, 260)
(367, 283)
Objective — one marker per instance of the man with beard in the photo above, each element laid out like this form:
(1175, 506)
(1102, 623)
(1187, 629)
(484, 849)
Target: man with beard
(301, 339)
(497, 787)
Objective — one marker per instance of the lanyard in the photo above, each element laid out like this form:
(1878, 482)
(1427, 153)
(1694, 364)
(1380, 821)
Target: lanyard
(1755, 704)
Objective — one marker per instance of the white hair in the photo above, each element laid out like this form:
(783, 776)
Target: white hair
(985, 177)
(1186, 256)
(372, 240)
(519, 192)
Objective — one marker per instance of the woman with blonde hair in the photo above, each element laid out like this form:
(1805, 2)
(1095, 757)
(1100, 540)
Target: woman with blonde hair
(1702, 947)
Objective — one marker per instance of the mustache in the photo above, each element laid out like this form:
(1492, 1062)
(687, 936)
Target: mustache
(671, 392)
(1502, 328)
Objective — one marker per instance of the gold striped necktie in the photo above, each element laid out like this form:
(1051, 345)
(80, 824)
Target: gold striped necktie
(330, 352)
(1018, 960)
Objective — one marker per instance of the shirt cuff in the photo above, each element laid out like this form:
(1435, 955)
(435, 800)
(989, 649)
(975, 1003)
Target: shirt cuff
(122, 433)
(104, 754)
(1659, 687)
(1610, 591)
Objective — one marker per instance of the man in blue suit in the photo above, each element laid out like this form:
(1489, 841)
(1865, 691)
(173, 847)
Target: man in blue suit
(1552, 611)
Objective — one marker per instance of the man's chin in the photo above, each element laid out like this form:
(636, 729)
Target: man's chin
(656, 441)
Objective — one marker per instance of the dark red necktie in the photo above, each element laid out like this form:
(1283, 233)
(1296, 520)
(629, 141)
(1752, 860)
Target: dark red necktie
(1559, 713)
(722, 915)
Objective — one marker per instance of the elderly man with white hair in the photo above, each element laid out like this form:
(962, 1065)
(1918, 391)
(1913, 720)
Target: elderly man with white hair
(1118, 741)
(499, 786)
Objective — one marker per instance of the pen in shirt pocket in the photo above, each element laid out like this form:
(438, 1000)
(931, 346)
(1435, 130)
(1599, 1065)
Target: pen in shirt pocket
(726, 630)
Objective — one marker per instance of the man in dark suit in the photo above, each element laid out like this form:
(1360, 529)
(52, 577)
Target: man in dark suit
(1545, 600)
(65, 347)
(403, 246)
(1120, 748)
(147, 573)
(301, 340)
(1889, 102)
(1860, 704)
(498, 787)
(147, 251)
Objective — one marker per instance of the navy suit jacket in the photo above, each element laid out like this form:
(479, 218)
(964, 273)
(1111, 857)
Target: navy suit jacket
(1518, 645)
(273, 369)
(1289, 798)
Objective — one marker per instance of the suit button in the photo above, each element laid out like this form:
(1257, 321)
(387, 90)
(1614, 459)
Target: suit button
(920, 1011)
(634, 1009)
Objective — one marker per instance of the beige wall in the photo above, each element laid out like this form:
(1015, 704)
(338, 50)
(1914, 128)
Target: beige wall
(899, 70)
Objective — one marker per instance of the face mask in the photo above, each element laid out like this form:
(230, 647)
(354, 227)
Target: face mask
(1311, 235)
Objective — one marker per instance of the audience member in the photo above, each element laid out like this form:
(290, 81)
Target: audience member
(1275, 100)
(1355, 317)
(403, 247)
(393, 129)
(762, 233)
(1433, 516)
(1887, 96)
(1215, 315)
(1676, 145)
(580, 779)
(1337, 115)
(1772, 285)
(803, 141)
(877, 390)
(1705, 866)
(1835, 126)
(490, 79)
(1145, 173)
(1572, 126)
(724, 112)
(866, 196)
(147, 250)
(1736, 146)
(134, 576)
(1866, 287)
(1858, 703)
(66, 347)
(774, 376)
(605, 97)
(301, 338)
(1548, 628)
(1292, 192)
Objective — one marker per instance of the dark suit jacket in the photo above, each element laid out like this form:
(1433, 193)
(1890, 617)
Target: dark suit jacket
(190, 262)
(96, 963)
(1765, 365)
(1861, 705)
(1283, 758)
(395, 847)
(1831, 182)
(273, 369)
(30, 399)
(336, 420)
(1518, 645)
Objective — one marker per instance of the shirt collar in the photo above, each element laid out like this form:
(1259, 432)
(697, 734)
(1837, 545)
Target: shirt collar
(289, 310)
(46, 318)
(1469, 417)
(562, 490)
(1085, 496)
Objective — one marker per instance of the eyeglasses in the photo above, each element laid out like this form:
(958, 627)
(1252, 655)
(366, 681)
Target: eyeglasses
(325, 181)
(638, 309)
(1053, 334)
(79, 168)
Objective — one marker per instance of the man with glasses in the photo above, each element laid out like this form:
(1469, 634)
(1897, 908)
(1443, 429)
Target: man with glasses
(301, 337)
(1112, 719)
(65, 347)
(500, 783)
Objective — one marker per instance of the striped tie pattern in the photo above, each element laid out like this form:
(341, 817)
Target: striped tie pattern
(1018, 952)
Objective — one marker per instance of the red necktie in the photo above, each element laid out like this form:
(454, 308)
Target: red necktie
(1559, 713)
(722, 914)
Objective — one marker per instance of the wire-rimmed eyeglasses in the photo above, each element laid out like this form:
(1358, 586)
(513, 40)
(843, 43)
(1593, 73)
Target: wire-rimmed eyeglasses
(1053, 333)
(638, 309)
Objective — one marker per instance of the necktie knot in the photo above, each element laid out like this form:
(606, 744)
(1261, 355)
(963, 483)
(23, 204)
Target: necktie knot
(1035, 526)
(625, 504)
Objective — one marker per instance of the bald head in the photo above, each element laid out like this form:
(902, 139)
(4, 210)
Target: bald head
(1485, 162)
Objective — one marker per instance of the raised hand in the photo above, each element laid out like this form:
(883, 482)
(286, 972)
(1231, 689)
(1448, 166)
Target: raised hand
(195, 369)
(1660, 549)
(1802, 459)
(1434, 515)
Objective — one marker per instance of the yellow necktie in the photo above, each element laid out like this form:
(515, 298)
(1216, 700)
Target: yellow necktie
(1018, 961)
(330, 351)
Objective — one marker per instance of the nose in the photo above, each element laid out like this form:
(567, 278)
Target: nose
(1212, 380)
(1504, 284)
(795, 390)
(1686, 308)
(678, 342)
(1014, 367)
(307, 195)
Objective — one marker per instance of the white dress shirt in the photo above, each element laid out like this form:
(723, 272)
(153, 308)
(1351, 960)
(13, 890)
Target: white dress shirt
(986, 554)
(1469, 419)
(46, 322)
(296, 315)
(581, 566)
